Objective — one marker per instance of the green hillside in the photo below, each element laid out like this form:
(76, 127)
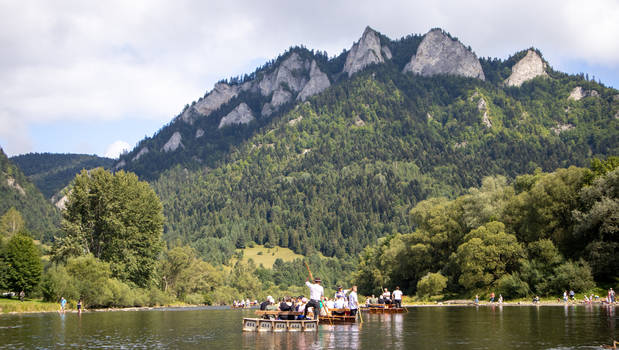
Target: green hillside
(346, 167)
(52, 172)
(41, 217)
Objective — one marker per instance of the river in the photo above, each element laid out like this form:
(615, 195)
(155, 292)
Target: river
(483, 327)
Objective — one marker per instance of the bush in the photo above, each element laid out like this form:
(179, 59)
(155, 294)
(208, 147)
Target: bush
(57, 283)
(156, 297)
(572, 275)
(430, 285)
(511, 286)
(195, 299)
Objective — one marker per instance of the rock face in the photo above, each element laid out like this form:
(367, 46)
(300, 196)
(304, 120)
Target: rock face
(559, 128)
(120, 165)
(529, 67)
(290, 72)
(12, 183)
(439, 54)
(317, 83)
(199, 133)
(483, 107)
(173, 143)
(290, 77)
(240, 115)
(578, 93)
(221, 94)
(365, 52)
(142, 152)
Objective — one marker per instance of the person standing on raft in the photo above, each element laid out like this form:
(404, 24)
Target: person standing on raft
(316, 294)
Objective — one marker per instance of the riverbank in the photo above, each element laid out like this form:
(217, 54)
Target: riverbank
(14, 306)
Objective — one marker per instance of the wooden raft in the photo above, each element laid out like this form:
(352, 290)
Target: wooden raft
(383, 309)
(267, 324)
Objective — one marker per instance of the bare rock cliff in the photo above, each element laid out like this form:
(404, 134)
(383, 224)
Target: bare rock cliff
(529, 67)
(173, 143)
(240, 115)
(439, 54)
(317, 83)
(221, 94)
(365, 52)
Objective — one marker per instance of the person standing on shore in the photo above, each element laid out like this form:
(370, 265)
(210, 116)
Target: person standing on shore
(572, 294)
(492, 297)
(317, 292)
(476, 299)
(565, 296)
(79, 307)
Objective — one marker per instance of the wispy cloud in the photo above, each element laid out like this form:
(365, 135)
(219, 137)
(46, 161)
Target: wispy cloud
(65, 61)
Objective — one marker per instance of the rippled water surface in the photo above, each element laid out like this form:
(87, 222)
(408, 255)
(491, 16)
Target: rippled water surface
(485, 327)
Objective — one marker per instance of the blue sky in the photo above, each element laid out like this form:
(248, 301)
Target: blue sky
(79, 76)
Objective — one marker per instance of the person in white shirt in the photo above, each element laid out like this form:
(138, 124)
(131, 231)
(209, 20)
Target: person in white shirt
(353, 302)
(387, 296)
(316, 294)
(397, 297)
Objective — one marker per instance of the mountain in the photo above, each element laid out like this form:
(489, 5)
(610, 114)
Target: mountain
(41, 217)
(52, 172)
(328, 154)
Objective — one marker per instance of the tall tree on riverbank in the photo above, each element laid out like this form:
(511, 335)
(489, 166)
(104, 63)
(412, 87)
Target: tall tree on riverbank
(116, 218)
(22, 264)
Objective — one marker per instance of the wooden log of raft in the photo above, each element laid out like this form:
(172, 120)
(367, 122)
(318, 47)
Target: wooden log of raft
(266, 325)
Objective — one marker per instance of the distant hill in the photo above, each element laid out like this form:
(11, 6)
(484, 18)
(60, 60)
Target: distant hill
(316, 153)
(52, 172)
(41, 217)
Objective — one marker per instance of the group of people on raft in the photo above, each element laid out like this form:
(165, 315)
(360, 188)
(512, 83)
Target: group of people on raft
(244, 303)
(386, 299)
(344, 302)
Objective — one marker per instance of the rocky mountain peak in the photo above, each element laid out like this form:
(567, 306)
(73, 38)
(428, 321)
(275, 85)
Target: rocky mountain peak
(439, 54)
(529, 67)
(365, 52)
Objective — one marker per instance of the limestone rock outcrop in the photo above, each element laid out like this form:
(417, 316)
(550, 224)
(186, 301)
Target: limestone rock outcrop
(221, 94)
(578, 93)
(365, 52)
(173, 143)
(318, 82)
(482, 106)
(529, 67)
(289, 72)
(199, 133)
(240, 115)
(439, 54)
(142, 152)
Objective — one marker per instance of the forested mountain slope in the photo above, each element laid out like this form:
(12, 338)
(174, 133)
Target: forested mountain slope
(346, 167)
(41, 217)
(327, 154)
(52, 172)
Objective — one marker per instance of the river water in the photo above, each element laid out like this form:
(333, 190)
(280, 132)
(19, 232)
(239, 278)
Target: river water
(467, 327)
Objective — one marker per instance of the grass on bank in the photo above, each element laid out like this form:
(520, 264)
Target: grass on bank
(28, 305)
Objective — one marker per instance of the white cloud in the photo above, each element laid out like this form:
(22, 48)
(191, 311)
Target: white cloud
(116, 149)
(81, 60)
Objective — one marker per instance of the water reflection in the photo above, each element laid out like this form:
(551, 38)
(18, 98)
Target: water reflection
(491, 327)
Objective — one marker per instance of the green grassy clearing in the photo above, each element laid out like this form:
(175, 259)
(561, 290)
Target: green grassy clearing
(266, 256)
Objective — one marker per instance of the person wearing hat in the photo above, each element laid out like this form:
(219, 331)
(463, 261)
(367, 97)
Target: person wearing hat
(341, 293)
(316, 294)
